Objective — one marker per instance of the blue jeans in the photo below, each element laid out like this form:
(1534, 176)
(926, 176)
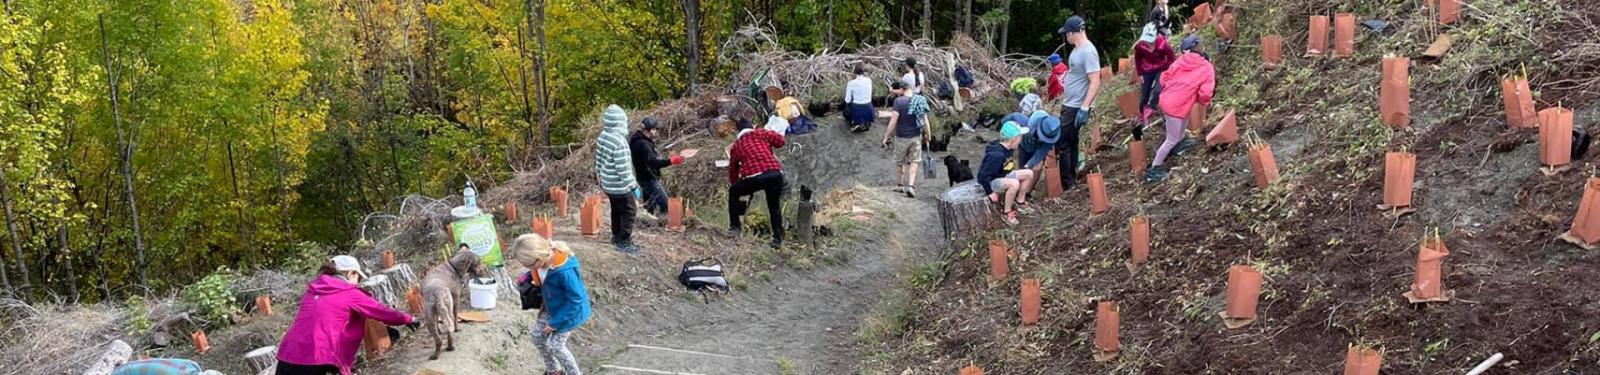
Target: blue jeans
(655, 197)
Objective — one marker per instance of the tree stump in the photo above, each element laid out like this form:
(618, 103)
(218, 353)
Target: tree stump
(401, 276)
(262, 359)
(963, 210)
(383, 291)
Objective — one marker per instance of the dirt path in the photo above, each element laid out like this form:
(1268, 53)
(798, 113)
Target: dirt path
(798, 322)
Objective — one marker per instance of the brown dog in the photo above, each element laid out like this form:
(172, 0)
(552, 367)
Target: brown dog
(441, 287)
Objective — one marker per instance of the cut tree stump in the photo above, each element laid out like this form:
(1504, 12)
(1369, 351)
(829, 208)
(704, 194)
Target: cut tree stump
(116, 353)
(963, 210)
(262, 359)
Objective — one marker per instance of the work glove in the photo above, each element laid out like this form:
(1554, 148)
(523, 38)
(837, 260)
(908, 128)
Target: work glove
(1082, 118)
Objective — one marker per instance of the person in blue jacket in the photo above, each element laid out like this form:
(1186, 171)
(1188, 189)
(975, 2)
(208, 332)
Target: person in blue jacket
(1000, 181)
(554, 268)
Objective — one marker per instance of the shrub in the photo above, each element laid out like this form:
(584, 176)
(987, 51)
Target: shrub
(211, 298)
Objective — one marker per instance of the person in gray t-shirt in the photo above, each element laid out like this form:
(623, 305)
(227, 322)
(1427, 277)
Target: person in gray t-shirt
(1081, 83)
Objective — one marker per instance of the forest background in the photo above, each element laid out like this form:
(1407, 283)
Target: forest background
(145, 143)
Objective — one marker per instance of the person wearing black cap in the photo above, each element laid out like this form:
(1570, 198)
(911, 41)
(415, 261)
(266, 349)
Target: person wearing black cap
(1082, 83)
(647, 165)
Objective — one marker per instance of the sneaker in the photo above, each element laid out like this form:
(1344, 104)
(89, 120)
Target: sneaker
(911, 192)
(1022, 207)
(901, 188)
(1156, 174)
(1011, 218)
(735, 233)
(1184, 146)
(777, 244)
(629, 249)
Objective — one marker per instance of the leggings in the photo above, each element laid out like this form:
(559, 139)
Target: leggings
(286, 368)
(1174, 135)
(553, 348)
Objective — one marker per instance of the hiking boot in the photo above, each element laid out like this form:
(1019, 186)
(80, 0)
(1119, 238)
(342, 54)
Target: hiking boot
(1156, 174)
(1184, 146)
(911, 192)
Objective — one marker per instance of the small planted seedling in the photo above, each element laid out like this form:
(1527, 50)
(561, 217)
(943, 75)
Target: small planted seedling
(1427, 285)
(1107, 327)
(1555, 140)
(1030, 301)
(1585, 230)
(1244, 291)
(1399, 174)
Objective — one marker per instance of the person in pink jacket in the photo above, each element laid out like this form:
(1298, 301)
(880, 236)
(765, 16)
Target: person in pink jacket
(1188, 82)
(333, 315)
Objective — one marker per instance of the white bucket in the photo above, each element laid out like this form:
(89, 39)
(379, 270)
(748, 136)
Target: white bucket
(483, 293)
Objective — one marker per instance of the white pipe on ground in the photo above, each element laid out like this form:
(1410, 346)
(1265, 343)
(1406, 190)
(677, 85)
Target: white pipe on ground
(1487, 363)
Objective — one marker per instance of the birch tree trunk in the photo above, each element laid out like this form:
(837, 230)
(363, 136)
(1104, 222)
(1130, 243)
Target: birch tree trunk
(126, 139)
(927, 19)
(1005, 25)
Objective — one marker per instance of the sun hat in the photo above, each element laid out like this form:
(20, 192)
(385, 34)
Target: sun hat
(1046, 127)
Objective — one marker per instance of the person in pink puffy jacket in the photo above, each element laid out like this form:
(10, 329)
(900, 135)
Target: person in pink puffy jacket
(1188, 82)
(333, 315)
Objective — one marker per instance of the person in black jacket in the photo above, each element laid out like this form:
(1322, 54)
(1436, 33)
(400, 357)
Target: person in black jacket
(993, 176)
(647, 165)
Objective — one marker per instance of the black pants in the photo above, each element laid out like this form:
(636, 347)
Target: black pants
(1067, 148)
(770, 183)
(1149, 96)
(655, 196)
(286, 368)
(622, 211)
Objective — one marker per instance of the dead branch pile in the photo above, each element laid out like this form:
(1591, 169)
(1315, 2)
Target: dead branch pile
(55, 339)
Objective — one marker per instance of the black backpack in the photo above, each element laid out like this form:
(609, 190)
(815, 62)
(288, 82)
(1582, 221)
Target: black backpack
(532, 295)
(703, 274)
(964, 77)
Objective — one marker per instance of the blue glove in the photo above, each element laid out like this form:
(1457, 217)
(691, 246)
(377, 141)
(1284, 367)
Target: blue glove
(1083, 117)
(638, 193)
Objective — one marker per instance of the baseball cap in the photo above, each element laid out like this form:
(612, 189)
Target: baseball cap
(1189, 42)
(344, 263)
(1073, 24)
(1055, 58)
(650, 123)
(1012, 130)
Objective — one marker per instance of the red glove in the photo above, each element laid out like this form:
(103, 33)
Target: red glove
(678, 159)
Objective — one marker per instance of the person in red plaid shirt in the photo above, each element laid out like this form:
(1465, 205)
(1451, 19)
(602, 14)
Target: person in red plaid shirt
(752, 168)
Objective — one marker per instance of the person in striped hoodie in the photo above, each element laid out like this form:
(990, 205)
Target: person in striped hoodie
(613, 164)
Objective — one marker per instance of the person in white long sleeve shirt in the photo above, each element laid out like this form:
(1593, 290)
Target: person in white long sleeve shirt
(858, 102)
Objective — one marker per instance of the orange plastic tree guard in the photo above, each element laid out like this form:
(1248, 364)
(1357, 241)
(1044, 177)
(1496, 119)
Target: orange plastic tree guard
(1137, 156)
(1263, 165)
(1519, 103)
(414, 300)
(1052, 177)
(511, 212)
(201, 344)
(1226, 131)
(589, 216)
(971, 370)
(1244, 291)
(1394, 93)
(1344, 35)
(1427, 286)
(1449, 11)
(1202, 15)
(1362, 360)
(1129, 103)
(1586, 226)
(1094, 138)
(1197, 117)
(543, 227)
(376, 340)
(1106, 75)
(1030, 302)
(1139, 240)
(997, 260)
(1228, 25)
(1106, 331)
(1125, 65)
(559, 197)
(1099, 203)
(675, 214)
(1317, 41)
(1399, 174)
(1555, 138)
(264, 305)
(388, 259)
(1271, 50)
